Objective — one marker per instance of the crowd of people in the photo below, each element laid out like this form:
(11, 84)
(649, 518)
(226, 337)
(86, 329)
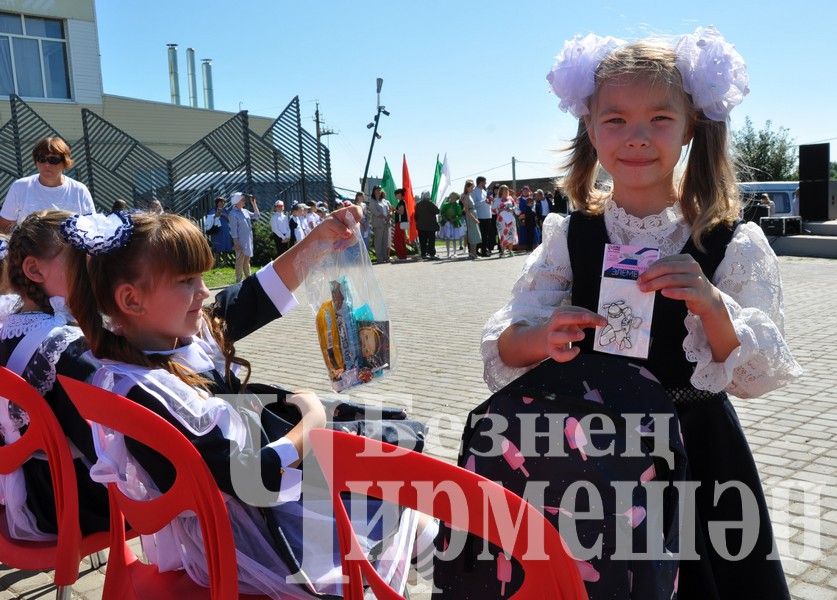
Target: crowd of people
(473, 223)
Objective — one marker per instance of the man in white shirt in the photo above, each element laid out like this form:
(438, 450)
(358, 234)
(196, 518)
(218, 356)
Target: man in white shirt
(50, 189)
(488, 229)
(280, 227)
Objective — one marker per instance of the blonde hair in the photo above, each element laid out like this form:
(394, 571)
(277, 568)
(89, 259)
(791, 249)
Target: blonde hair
(161, 245)
(708, 189)
(38, 235)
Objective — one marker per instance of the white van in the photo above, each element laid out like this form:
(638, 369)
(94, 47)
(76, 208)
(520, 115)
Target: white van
(780, 192)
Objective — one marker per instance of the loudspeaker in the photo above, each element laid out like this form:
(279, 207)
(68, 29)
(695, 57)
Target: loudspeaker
(781, 225)
(813, 162)
(813, 200)
(793, 225)
(772, 225)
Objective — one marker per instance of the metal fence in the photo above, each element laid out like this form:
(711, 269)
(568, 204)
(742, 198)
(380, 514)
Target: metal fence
(286, 162)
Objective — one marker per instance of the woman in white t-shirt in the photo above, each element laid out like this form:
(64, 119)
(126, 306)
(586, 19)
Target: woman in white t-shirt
(50, 189)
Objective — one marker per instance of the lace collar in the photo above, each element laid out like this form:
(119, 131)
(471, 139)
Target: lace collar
(673, 215)
(19, 324)
(192, 355)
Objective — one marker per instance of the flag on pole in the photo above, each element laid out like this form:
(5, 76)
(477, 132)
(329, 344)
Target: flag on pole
(443, 186)
(437, 175)
(409, 200)
(388, 184)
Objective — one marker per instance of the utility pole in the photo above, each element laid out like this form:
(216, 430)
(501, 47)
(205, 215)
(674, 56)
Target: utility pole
(514, 175)
(321, 132)
(375, 134)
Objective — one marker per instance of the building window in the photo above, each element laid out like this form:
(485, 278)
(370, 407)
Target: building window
(33, 57)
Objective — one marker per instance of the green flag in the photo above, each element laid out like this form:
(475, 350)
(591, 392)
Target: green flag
(388, 184)
(437, 175)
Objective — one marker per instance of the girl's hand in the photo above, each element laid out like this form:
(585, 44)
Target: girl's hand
(680, 277)
(565, 327)
(338, 225)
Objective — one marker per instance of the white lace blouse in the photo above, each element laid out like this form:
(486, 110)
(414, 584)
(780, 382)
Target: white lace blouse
(748, 278)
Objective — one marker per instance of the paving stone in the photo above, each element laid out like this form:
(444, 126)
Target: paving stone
(438, 310)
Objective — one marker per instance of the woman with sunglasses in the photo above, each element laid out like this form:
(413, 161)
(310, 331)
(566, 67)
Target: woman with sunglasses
(49, 189)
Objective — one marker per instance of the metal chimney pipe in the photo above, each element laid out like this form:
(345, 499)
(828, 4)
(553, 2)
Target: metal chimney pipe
(208, 98)
(174, 80)
(190, 74)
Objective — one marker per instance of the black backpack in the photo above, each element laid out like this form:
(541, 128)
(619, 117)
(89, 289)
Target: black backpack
(592, 384)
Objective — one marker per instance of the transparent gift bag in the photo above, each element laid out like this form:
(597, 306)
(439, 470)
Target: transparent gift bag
(352, 322)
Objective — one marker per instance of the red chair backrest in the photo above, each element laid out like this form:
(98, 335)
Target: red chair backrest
(346, 458)
(194, 488)
(44, 433)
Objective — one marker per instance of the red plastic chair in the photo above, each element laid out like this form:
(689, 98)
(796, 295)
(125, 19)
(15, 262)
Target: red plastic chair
(194, 490)
(44, 433)
(346, 458)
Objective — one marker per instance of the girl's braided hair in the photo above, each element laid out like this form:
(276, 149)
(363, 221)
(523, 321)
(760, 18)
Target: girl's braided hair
(38, 235)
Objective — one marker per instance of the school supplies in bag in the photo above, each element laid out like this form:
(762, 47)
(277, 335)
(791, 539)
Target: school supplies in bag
(352, 324)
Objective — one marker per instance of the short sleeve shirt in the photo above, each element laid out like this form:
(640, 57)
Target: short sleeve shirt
(28, 195)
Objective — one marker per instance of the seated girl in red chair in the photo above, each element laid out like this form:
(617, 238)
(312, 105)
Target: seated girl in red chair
(138, 294)
(40, 340)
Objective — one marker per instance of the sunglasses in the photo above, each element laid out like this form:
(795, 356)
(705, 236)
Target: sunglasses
(53, 160)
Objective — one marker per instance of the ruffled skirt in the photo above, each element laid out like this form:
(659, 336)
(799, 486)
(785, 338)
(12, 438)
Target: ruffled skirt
(449, 232)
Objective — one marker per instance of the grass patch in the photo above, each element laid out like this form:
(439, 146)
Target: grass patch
(222, 276)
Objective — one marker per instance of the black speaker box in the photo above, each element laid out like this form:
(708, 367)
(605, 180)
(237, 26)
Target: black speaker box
(772, 226)
(781, 225)
(793, 226)
(813, 200)
(813, 162)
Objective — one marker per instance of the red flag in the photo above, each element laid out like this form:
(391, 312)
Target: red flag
(409, 200)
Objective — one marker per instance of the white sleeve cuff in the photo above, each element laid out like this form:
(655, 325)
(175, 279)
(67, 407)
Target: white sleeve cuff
(283, 298)
(762, 361)
(290, 488)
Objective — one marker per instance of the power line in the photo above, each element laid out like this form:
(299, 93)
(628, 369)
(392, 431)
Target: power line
(533, 162)
(480, 172)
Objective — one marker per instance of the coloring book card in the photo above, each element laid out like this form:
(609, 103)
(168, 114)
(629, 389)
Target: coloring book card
(627, 309)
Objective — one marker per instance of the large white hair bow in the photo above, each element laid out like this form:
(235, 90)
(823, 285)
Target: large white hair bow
(573, 75)
(713, 71)
(97, 233)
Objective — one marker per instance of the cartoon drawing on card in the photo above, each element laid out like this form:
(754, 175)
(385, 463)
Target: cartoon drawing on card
(620, 322)
(628, 310)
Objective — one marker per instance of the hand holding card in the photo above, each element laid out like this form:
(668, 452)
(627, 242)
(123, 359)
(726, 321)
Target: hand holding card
(680, 277)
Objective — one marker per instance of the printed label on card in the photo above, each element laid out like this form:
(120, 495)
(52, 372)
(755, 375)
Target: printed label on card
(627, 309)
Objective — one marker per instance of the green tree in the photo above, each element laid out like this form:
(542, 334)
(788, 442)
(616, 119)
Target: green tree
(832, 171)
(764, 155)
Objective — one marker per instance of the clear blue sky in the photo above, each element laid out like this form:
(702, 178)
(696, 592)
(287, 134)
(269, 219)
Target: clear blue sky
(466, 78)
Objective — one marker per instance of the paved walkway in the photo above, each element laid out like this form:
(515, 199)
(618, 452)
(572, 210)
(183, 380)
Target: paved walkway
(438, 310)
